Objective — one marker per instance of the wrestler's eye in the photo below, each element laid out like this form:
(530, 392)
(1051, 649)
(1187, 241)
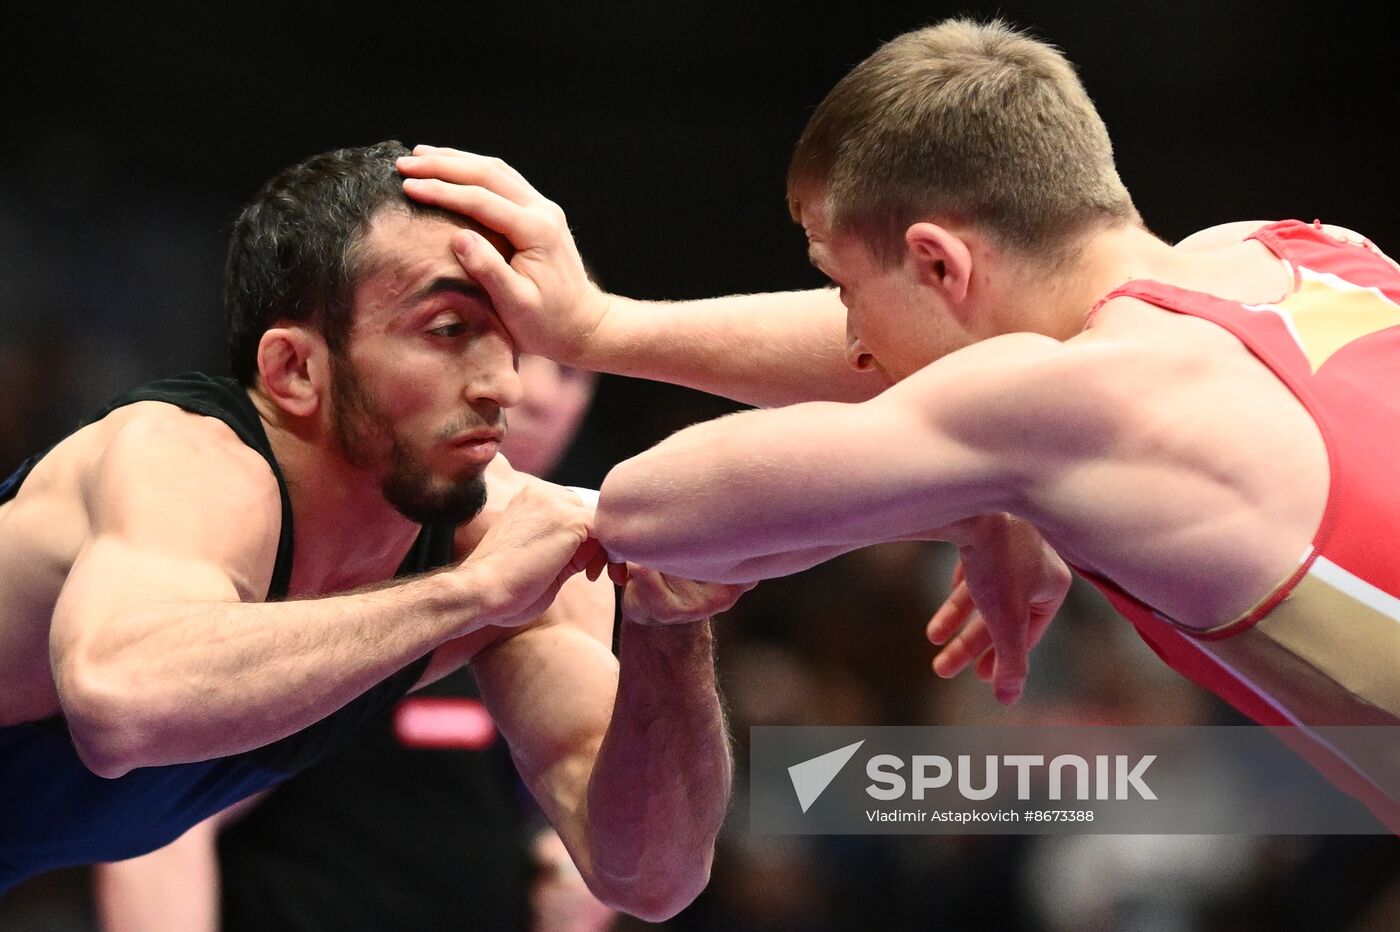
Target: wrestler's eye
(454, 329)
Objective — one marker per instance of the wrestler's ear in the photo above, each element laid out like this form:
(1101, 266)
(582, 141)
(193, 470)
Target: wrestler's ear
(294, 363)
(941, 260)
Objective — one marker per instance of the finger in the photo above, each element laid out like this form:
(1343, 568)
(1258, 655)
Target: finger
(1009, 675)
(617, 572)
(598, 564)
(951, 615)
(654, 598)
(448, 151)
(724, 598)
(584, 556)
(971, 642)
(467, 168)
(518, 224)
(424, 149)
(986, 665)
(1009, 637)
(959, 574)
(637, 595)
(1040, 623)
(645, 582)
(489, 269)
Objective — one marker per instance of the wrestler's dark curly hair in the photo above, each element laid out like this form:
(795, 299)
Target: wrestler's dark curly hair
(292, 256)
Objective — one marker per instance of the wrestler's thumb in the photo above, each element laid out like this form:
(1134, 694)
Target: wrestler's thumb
(1009, 676)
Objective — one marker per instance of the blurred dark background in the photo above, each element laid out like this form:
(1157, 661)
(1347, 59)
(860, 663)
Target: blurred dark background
(133, 134)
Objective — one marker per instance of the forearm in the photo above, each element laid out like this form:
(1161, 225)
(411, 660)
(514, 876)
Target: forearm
(171, 682)
(809, 477)
(734, 491)
(660, 785)
(763, 349)
(965, 533)
(172, 889)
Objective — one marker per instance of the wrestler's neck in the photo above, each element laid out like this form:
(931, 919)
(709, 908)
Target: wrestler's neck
(1110, 257)
(1034, 295)
(346, 534)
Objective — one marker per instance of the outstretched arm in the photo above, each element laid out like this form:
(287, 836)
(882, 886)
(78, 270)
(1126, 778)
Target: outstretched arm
(765, 349)
(627, 756)
(942, 455)
(961, 438)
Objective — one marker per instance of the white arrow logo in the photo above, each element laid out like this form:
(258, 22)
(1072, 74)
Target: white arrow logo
(811, 777)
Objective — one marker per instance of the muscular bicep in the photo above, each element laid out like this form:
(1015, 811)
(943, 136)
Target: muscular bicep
(971, 434)
(929, 451)
(179, 510)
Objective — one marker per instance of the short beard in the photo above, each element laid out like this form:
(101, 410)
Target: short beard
(360, 428)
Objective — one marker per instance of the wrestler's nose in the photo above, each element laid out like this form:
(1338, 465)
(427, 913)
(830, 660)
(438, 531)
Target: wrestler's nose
(495, 375)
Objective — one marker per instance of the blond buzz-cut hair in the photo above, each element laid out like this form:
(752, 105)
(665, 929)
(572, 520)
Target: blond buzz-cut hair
(965, 121)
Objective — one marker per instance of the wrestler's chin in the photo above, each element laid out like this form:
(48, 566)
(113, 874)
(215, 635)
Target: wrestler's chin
(440, 501)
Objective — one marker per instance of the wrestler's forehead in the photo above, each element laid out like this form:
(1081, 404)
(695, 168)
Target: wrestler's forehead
(405, 263)
(394, 256)
(395, 233)
(397, 239)
(401, 251)
(821, 240)
(834, 254)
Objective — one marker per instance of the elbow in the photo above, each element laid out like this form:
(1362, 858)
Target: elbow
(101, 721)
(625, 524)
(654, 899)
(105, 763)
(650, 521)
(105, 751)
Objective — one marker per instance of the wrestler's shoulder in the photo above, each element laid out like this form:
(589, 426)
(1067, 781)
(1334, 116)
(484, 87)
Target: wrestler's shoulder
(162, 449)
(1228, 234)
(1026, 386)
(1027, 360)
(1222, 234)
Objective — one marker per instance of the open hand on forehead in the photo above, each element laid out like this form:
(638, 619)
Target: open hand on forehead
(541, 291)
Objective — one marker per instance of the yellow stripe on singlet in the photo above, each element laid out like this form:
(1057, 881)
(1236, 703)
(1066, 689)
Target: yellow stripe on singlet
(1327, 655)
(1326, 313)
